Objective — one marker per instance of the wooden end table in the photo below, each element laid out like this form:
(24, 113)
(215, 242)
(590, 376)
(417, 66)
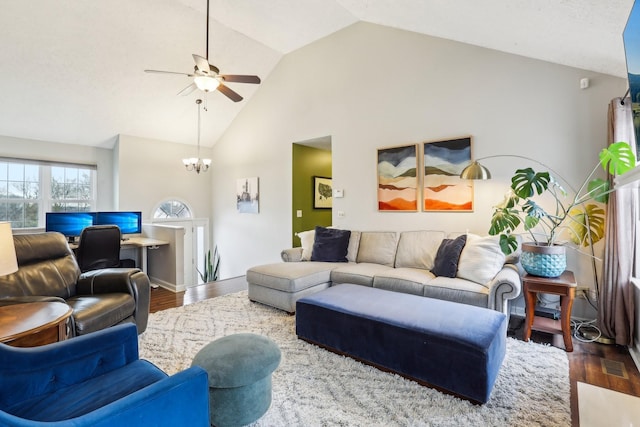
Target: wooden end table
(565, 286)
(34, 323)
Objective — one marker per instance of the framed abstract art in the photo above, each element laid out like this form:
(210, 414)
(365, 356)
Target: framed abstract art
(397, 178)
(442, 188)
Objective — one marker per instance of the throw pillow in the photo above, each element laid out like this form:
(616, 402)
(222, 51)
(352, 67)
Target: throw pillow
(306, 241)
(448, 256)
(330, 245)
(481, 259)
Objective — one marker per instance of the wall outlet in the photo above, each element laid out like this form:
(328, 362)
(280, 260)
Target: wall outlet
(299, 213)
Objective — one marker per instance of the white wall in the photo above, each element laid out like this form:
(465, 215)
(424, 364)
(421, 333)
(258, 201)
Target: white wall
(369, 87)
(52, 151)
(151, 171)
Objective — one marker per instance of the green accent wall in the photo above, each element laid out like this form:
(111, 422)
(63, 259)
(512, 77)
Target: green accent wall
(307, 163)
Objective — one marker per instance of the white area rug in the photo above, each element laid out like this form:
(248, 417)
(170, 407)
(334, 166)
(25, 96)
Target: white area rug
(314, 387)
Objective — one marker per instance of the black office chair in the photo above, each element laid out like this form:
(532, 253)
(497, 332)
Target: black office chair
(99, 247)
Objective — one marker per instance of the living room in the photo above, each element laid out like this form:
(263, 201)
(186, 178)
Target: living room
(367, 86)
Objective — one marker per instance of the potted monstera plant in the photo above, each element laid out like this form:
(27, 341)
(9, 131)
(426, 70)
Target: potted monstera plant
(580, 216)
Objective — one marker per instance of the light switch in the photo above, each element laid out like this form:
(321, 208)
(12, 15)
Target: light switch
(299, 213)
(338, 193)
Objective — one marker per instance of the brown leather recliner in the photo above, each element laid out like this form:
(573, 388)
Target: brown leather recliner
(48, 271)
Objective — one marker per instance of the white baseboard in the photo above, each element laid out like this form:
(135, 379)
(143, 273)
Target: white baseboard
(166, 285)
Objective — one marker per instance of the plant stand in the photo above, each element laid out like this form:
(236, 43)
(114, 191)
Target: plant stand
(565, 286)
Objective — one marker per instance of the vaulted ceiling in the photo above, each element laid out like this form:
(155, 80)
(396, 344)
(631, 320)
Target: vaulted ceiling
(71, 71)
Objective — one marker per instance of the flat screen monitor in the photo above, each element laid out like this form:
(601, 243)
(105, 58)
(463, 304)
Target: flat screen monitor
(129, 222)
(68, 223)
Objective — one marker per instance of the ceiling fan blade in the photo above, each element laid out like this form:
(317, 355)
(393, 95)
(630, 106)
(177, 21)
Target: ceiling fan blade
(234, 78)
(168, 72)
(187, 90)
(201, 64)
(232, 95)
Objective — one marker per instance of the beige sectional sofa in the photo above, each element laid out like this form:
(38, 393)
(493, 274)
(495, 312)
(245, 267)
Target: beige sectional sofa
(400, 262)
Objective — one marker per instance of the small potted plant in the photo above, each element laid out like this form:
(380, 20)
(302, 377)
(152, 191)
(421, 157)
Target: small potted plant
(544, 256)
(211, 266)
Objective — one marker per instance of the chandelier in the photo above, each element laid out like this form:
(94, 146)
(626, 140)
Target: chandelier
(196, 163)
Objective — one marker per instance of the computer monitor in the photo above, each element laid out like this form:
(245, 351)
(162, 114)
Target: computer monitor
(68, 223)
(129, 222)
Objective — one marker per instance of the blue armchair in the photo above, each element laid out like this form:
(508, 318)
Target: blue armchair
(97, 380)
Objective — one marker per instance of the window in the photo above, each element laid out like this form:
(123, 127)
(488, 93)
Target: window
(28, 189)
(71, 189)
(172, 209)
(19, 194)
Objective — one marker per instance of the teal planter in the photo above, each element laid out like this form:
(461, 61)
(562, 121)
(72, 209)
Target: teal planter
(542, 260)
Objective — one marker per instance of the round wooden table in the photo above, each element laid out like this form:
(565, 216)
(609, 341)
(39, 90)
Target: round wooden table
(34, 323)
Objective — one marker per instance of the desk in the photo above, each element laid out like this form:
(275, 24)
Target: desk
(33, 324)
(136, 242)
(565, 286)
(143, 243)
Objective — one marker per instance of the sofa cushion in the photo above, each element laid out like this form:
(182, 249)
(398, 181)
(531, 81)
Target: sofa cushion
(378, 247)
(95, 312)
(405, 280)
(457, 290)
(417, 249)
(330, 245)
(306, 242)
(87, 396)
(481, 259)
(448, 256)
(354, 244)
(47, 267)
(307, 239)
(359, 274)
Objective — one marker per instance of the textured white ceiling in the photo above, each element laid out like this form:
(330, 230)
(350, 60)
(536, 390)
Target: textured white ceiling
(72, 70)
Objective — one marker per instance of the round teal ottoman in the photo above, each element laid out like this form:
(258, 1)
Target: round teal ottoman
(239, 368)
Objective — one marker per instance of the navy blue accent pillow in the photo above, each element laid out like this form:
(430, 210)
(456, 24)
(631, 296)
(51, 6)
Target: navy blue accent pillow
(330, 245)
(446, 262)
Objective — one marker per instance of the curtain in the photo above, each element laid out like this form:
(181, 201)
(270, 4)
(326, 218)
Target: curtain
(616, 300)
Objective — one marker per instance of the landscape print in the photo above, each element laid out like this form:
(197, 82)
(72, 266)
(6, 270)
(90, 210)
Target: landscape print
(443, 189)
(397, 179)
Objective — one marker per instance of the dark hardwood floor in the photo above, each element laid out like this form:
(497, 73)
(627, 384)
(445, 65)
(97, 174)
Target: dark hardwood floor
(586, 362)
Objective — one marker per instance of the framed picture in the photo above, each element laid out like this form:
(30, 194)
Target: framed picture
(322, 193)
(397, 178)
(442, 189)
(248, 195)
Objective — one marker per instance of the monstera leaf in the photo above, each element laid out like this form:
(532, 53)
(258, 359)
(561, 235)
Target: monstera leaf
(599, 190)
(504, 219)
(508, 243)
(526, 182)
(618, 158)
(584, 221)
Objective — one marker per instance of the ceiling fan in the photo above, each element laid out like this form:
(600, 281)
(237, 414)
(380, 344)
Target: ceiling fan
(207, 77)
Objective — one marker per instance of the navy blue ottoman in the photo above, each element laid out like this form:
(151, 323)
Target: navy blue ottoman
(455, 347)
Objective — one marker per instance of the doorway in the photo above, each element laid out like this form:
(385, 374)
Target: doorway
(311, 159)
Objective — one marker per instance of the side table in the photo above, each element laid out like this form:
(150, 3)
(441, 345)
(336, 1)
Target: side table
(565, 286)
(33, 324)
